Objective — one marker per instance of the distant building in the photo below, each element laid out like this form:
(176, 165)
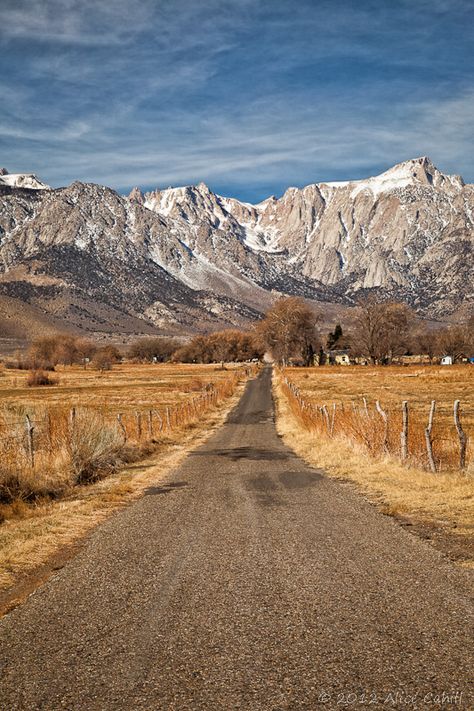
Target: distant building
(446, 360)
(338, 357)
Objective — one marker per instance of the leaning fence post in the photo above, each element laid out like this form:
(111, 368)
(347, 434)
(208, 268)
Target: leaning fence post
(122, 426)
(168, 419)
(384, 416)
(429, 442)
(31, 444)
(461, 435)
(404, 432)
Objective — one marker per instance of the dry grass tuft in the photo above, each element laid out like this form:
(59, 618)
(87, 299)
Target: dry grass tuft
(95, 448)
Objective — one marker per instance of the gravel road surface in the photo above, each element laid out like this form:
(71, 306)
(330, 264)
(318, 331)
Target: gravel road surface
(247, 581)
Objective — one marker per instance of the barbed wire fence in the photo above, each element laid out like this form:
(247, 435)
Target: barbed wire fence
(28, 433)
(399, 431)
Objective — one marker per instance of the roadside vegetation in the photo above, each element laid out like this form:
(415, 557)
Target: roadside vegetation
(91, 422)
(403, 435)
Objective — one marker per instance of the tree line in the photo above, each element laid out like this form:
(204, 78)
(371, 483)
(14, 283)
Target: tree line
(290, 331)
(379, 332)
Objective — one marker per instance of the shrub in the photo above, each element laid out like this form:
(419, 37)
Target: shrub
(94, 447)
(105, 357)
(39, 377)
(194, 385)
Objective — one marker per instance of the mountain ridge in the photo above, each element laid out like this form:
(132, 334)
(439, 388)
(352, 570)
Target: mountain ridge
(187, 259)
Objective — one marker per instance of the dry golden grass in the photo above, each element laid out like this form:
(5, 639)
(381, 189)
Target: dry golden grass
(445, 500)
(348, 386)
(35, 532)
(127, 386)
(91, 423)
(391, 385)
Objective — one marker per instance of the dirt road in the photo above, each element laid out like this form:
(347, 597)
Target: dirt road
(250, 582)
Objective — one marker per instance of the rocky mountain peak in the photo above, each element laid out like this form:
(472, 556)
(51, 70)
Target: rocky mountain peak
(422, 171)
(27, 181)
(136, 195)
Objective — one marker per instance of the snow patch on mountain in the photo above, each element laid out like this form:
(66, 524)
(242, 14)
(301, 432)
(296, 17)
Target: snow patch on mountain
(22, 180)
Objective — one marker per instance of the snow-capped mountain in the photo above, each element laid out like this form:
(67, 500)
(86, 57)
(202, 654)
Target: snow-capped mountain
(187, 259)
(28, 181)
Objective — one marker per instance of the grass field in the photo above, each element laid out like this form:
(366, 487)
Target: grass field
(408, 490)
(125, 387)
(391, 385)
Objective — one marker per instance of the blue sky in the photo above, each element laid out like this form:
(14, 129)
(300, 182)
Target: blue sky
(250, 96)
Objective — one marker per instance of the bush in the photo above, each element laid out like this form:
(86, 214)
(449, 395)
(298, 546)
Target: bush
(105, 357)
(94, 447)
(195, 385)
(39, 377)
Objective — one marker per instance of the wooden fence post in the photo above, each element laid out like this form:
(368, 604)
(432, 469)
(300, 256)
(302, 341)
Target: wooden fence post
(461, 435)
(139, 425)
(384, 416)
(31, 445)
(333, 419)
(429, 442)
(168, 419)
(122, 426)
(72, 419)
(404, 432)
(150, 424)
(366, 409)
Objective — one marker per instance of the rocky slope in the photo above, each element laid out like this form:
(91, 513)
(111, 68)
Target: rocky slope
(186, 259)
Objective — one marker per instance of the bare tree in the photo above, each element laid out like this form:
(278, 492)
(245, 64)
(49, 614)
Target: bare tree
(426, 341)
(153, 349)
(455, 341)
(221, 346)
(104, 358)
(381, 330)
(289, 330)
